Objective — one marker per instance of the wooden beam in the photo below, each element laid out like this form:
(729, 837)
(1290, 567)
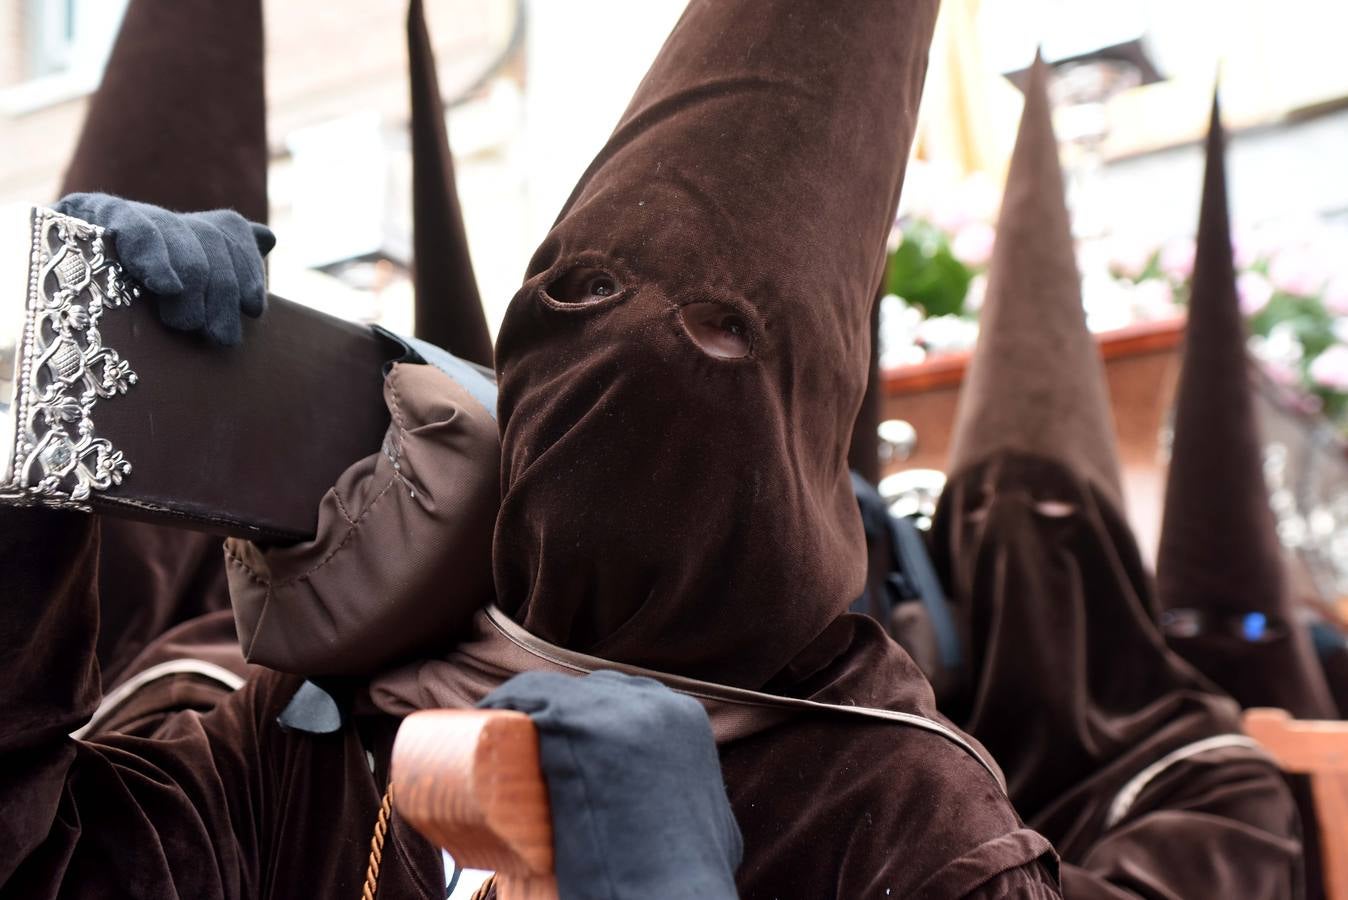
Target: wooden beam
(470, 782)
(1318, 749)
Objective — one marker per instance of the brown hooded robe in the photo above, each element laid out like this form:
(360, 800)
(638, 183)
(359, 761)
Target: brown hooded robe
(448, 308)
(179, 121)
(679, 377)
(663, 506)
(1335, 665)
(863, 454)
(1112, 746)
(1221, 564)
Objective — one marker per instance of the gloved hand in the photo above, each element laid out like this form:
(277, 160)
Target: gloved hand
(639, 808)
(205, 268)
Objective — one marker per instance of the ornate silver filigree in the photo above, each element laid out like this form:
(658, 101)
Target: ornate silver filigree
(65, 368)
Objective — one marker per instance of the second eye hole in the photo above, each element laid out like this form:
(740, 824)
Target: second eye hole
(718, 329)
(583, 284)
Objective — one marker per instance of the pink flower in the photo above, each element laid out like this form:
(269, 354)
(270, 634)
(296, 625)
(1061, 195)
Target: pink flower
(1177, 258)
(1336, 296)
(1330, 369)
(1281, 373)
(1244, 250)
(1297, 271)
(972, 244)
(1255, 291)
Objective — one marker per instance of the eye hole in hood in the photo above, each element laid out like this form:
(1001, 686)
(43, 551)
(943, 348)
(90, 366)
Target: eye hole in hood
(582, 285)
(1055, 509)
(718, 330)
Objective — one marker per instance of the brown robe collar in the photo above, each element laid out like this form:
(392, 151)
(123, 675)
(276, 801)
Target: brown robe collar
(499, 649)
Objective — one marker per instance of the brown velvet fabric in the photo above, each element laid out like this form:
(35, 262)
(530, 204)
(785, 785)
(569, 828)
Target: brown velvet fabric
(180, 117)
(402, 556)
(1035, 559)
(1336, 676)
(1069, 683)
(208, 638)
(932, 826)
(709, 500)
(1219, 551)
(179, 121)
(863, 454)
(893, 770)
(151, 578)
(670, 509)
(222, 805)
(713, 189)
(646, 484)
(1038, 557)
(1036, 383)
(229, 805)
(448, 308)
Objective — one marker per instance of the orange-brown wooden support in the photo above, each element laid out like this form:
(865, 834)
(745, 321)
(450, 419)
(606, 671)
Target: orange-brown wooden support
(1318, 749)
(469, 780)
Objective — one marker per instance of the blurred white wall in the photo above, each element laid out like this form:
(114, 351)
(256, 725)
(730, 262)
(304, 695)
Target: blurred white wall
(519, 154)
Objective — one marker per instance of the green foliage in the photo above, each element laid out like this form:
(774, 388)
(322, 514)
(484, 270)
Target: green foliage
(1151, 270)
(1306, 316)
(926, 274)
(1333, 404)
(1313, 327)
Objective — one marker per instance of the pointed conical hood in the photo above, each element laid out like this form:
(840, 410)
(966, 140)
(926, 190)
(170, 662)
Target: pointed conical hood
(179, 121)
(448, 308)
(703, 304)
(1219, 554)
(1036, 383)
(180, 118)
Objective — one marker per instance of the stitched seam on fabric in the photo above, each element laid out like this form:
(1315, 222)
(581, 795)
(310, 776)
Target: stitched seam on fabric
(346, 539)
(249, 571)
(396, 416)
(396, 413)
(286, 582)
(341, 507)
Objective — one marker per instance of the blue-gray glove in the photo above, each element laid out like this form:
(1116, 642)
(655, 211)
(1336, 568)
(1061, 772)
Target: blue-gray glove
(639, 807)
(204, 268)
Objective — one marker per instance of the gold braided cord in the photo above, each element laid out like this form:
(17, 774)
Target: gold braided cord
(484, 889)
(377, 845)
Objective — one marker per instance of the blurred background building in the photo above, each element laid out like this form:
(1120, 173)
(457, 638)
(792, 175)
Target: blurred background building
(532, 90)
(533, 87)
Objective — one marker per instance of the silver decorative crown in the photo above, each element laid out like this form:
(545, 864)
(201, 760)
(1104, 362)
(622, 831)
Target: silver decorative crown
(54, 367)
